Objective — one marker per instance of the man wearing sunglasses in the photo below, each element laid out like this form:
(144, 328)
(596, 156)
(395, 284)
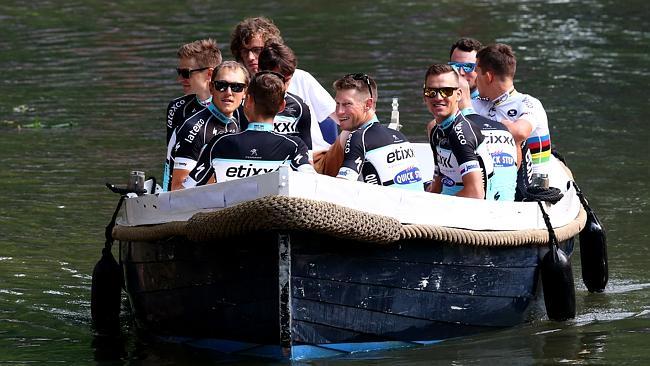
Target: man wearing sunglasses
(295, 118)
(196, 60)
(247, 42)
(463, 164)
(228, 87)
(522, 114)
(462, 57)
(258, 149)
(373, 153)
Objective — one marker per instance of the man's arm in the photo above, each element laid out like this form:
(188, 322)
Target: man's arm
(472, 186)
(353, 157)
(178, 176)
(436, 185)
(465, 151)
(329, 127)
(300, 160)
(520, 130)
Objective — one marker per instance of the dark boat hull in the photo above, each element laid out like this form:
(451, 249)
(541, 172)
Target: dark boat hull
(306, 295)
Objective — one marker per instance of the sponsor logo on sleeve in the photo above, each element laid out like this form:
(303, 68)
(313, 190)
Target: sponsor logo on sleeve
(195, 130)
(459, 133)
(172, 112)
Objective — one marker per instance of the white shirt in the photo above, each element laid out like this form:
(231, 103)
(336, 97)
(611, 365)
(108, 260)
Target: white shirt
(513, 106)
(320, 102)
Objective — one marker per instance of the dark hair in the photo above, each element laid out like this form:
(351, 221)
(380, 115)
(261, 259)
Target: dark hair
(499, 59)
(249, 28)
(359, 84)
(276, 56)
(204, 51)
(267, 91)
(438, 69)
(466, 44)
(233, 65)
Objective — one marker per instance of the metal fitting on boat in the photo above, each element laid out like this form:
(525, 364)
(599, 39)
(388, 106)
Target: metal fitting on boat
(136, 182)
(540, 180)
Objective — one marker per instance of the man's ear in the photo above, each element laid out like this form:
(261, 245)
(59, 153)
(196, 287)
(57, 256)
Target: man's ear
(209, 74)
(370, 102)
(490, 76)
(282, 105)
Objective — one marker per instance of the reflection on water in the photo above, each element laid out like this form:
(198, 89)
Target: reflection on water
(104, 72)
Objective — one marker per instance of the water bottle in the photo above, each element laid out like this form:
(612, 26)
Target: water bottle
(394, 117)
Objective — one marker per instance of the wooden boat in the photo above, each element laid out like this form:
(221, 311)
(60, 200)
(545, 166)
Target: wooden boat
(302, 266)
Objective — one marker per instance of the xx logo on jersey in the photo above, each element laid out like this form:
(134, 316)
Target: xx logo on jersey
(445, 161)
(297, 158)
(512, 112)
(284, 127)
(178, 146)
(200, 168)
(253, 152)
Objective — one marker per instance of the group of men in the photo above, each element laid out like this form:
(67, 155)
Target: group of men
(250, 116)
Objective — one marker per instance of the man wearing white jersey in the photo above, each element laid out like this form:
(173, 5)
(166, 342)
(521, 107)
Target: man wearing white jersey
(522, 114)
(247, 42)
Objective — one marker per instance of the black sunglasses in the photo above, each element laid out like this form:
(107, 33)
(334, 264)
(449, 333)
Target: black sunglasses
(445, 92)
(186, 73)
(222, 86)
(360, 76)
(271, 73)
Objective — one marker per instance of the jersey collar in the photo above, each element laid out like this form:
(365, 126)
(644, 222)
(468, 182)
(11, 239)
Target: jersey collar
(204, 103)
(367, 124)
(448, 121)
(220, 116)
(503, 97)
(259, 126)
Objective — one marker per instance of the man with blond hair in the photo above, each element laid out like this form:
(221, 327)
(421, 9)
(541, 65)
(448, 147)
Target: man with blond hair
(227, 87)
(258, 149)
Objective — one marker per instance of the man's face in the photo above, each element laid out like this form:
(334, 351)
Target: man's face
(482, 82)
(465, 57)
(351, 108)
(227, 101)
(198, 80)
(250, 54)
(441, 106)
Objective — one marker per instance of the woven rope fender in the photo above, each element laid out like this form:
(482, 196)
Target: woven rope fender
(148, 233)
(492, 238)
(291, 213)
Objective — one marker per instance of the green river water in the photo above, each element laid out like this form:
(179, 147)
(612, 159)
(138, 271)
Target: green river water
(83, 93)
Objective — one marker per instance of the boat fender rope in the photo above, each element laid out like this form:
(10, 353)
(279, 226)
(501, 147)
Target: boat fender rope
(581, 196)
(593, 248)
(552, 195)
(557, 278)
(108, 232)
(552, 239)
